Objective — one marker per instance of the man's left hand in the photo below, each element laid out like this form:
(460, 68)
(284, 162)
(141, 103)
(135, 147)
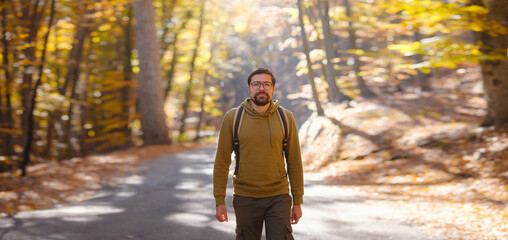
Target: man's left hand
(296, 213)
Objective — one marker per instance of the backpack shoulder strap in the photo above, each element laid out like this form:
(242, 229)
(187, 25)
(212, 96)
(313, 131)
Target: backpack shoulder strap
(237, 122)
(283, 120)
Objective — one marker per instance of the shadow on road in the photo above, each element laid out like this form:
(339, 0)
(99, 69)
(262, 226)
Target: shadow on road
(171, 198)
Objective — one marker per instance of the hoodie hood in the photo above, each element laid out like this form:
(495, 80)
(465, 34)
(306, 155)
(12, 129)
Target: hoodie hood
(246, 104)
(269, 114)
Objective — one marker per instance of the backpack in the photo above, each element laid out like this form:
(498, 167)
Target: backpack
(237, 122)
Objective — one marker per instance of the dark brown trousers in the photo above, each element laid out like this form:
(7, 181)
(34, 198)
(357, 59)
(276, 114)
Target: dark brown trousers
(274, 211)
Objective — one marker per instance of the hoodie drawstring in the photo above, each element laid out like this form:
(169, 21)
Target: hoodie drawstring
(268, 114)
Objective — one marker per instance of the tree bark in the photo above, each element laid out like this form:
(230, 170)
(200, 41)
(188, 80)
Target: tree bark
(7, 116)
(202, 107)
(30, 116)
(306, 50)
(50, 133)
(171, 73)
(188, 90)
(53, 115)
(167, 12)
(421, 77)
(71, 78)
(319, 41)
(84, 107)
(153, 117)
(495, 72)
(362, 86)
(31, 15)
(333, 90)
(126, 91)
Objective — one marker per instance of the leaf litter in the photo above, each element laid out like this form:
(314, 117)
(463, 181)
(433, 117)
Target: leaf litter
(424, 156)
(77, 179)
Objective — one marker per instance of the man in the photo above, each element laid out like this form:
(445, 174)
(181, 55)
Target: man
(260, 182)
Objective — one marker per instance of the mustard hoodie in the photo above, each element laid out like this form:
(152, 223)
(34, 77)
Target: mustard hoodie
(262, 169)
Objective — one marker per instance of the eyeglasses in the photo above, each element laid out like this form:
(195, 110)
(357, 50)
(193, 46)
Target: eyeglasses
(257, 85)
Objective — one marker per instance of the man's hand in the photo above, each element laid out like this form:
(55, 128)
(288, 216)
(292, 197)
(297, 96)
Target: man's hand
(296, 213)
(221, 213)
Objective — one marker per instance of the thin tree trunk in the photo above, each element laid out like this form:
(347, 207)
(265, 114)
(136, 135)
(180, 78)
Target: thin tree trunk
(171, 73)
(202, 107)
(319, 41)
(30, 14)
(53, 115)
(75, 56)
(71, 78)
(30, 116)
(421, 77)
(2, 120)
(188, 91)
(126, 90)
(333, 90)
(50, 134)
(153, 117)
(362, 86)
(33, 15)
(237, 87)
(167, 12)
(7, 116)
(495, 72)
(306, 50)
(85, 106)
(127, 59)
(83, 136)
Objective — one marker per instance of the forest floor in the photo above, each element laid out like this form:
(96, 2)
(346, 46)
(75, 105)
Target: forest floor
(424, 153)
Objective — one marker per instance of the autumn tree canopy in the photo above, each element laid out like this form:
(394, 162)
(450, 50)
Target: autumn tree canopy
(74, 73)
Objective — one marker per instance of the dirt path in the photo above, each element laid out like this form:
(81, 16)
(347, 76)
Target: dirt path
(171, 198)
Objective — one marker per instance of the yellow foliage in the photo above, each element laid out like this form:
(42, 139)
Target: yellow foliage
(475, 9)
(105, 27)
(240, 26)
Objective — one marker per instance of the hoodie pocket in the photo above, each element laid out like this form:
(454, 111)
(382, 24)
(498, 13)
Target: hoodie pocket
(259, 173)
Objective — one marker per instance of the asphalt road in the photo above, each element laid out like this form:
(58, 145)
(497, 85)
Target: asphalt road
(171, 198)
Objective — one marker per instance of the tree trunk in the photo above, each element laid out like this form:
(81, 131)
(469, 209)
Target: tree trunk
(202, 107)
(319, 41)
(362, 86)
(84, 107)
(53, 115)
(185, 107)
(31, 15)
(323, 65)
(213, 48)
(421, 77)
(495, 72)
(126, 90)
(171, 73)
(167, 12)
(306, 50)
(333, 90)
(30, 116)
(7, 116)
(50, 133)
(153, 117)
(71, 78)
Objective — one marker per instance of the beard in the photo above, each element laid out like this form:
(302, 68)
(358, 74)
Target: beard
(261, 99)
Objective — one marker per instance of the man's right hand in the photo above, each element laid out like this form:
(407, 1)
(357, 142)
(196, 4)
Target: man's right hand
(221, 213)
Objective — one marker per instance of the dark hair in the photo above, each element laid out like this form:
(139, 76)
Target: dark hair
(260, 70)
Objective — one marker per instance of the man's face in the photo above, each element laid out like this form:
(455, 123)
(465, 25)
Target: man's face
(261, 96)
